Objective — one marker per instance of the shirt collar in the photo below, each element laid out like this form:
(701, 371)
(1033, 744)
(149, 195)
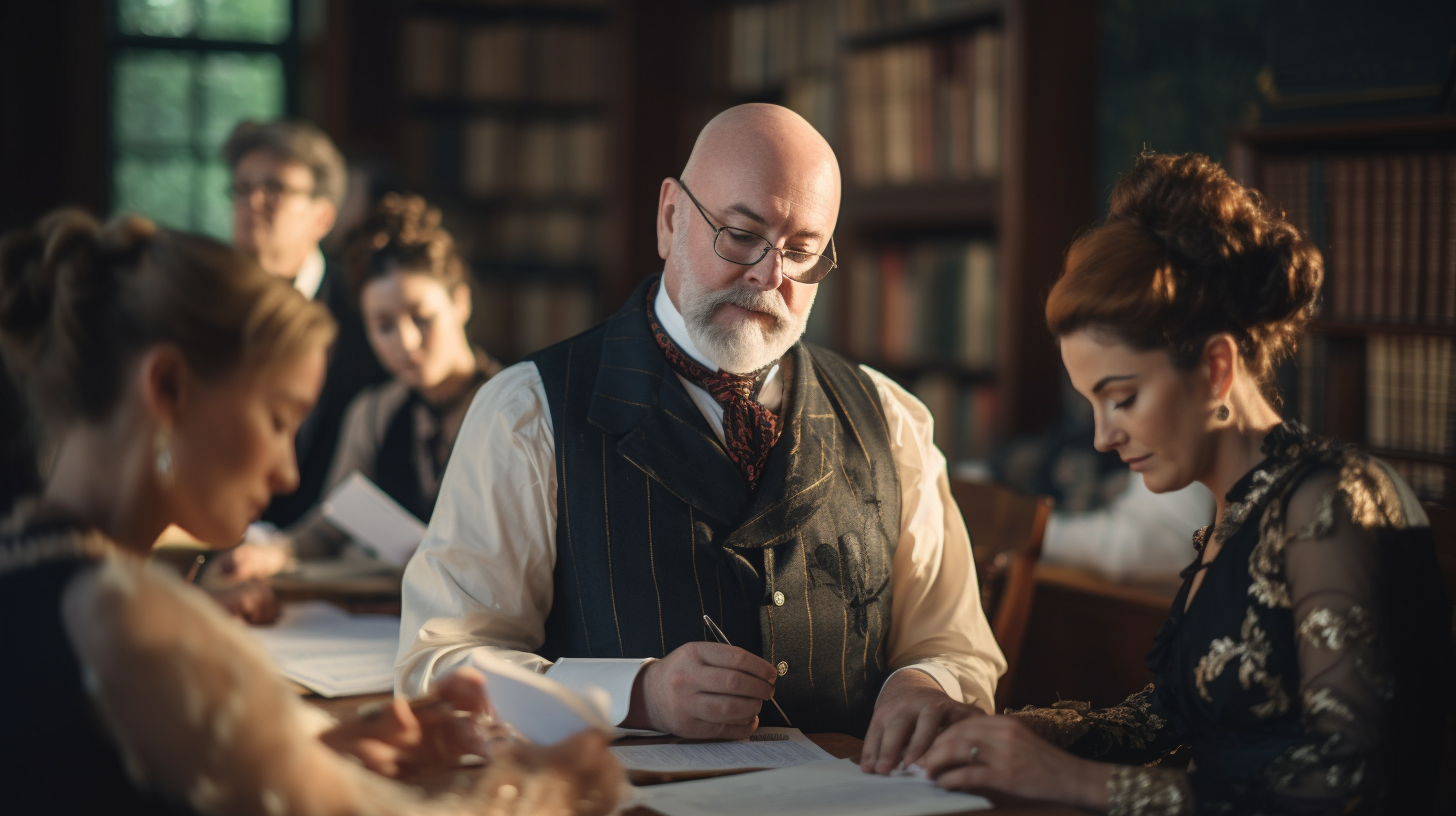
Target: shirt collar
(311, 275)
(677, 328)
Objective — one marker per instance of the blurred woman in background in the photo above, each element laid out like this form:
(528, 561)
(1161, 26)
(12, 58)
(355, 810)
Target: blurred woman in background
(414, 295)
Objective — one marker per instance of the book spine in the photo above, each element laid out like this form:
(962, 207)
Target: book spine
(1432, 294)
(1395, 240)
(1377, 283)
(1415, 181)
(1359, 276)
(1337, 269)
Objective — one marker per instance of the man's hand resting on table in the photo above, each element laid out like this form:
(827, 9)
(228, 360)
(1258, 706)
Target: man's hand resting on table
(911, 711)
(702, 691)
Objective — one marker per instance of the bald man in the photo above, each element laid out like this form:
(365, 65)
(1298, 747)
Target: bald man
(690, 458)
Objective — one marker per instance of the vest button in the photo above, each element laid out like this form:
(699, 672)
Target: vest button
(783, 667)
(778, 598)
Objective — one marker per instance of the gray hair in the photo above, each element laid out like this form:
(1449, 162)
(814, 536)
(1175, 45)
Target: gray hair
(293, 141)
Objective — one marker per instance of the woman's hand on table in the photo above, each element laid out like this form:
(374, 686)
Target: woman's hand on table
(396, 738)
(911, 711)
(252, 559)
(253, 601)
(576, 776)
(1000, 753)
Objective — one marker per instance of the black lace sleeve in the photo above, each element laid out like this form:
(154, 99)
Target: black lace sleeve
(1131, 731)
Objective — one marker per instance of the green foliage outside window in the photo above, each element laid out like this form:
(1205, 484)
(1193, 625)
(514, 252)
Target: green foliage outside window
(173, 108)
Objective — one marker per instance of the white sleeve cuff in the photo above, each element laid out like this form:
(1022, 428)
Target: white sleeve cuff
(940, 675)
(613, 675)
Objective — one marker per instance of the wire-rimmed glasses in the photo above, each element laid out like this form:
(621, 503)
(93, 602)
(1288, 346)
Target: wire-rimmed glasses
(739, 246)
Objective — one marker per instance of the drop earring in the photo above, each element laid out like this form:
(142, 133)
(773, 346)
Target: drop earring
(163, 445)
(1222, 413)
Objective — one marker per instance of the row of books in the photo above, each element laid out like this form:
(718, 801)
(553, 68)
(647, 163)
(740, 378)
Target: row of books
(1387, 225)
(869, 16)
(541, 158)
(907, 304)
(771, 43)
(1408, 390)
(507, 62)
(560, 236)
(964, 415)
(511, 320)
(925, 111)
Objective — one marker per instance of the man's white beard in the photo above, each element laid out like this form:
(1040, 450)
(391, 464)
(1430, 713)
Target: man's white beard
(747, 345)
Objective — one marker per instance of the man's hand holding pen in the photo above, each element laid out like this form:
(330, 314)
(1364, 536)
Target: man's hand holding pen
(702, 691)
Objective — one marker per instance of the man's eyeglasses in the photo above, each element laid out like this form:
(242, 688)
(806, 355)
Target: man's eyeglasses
(748, 248)
(273, 191)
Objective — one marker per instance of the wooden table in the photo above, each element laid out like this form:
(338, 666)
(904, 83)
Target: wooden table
(841, 746)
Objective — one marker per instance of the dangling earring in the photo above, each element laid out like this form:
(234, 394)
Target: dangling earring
(163, 445)
(1222, 413)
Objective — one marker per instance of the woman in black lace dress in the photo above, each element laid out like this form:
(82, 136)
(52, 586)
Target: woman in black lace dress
(1305, 665)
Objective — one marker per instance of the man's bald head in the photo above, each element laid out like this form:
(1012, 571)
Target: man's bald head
(758, 144)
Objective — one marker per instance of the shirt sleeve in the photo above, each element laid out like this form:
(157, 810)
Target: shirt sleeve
(481, 581)
(936, 622)
(1139, 535)
(196, 711)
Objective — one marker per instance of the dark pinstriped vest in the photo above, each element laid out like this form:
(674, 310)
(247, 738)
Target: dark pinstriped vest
(656, 526)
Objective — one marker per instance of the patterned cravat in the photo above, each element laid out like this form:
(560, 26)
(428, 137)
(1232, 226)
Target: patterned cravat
(749, 428)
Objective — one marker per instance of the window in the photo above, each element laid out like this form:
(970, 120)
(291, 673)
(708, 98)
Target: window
(183, 73)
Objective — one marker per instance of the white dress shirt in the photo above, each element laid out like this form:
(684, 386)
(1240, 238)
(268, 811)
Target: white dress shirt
(311, 275)
(481, 582)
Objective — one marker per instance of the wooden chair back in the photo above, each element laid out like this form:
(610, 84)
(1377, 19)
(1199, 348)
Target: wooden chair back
(1006, 528)
(1443, 533)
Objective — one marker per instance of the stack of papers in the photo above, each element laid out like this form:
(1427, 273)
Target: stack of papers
(818, 789)
(332, 652)
(769, 748)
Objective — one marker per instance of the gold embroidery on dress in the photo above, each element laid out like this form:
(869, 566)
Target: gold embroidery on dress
(1323, 701)
(1253, 654)
(1327, 628)
(1137, 791)
(1131, 724)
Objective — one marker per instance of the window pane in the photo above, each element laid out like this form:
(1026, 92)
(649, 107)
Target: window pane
(157, 18)
(237, 87)
(216, 211)
(258, 20)
(153, 95)
(158, 187)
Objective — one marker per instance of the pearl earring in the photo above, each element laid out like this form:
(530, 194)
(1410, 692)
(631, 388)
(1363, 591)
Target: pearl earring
(1222, 413)
(165, 473)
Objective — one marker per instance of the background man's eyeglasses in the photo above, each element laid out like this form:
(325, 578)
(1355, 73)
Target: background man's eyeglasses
(748, 248)
(273, 191)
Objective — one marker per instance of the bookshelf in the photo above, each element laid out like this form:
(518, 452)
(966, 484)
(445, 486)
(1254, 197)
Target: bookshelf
(964, 133)
(1379, 198)
(506, 122)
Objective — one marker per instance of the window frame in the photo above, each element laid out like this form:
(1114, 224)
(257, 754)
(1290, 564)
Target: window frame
(288, 50)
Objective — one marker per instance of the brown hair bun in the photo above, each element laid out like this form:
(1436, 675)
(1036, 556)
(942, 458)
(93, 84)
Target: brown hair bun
(79, 301)
(1186, 252)
(402, 234)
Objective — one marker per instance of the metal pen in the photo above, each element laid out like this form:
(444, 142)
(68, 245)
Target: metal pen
(723, 639)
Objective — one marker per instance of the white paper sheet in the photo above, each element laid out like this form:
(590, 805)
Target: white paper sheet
(817, 789)
(543, 710)
(358, 507)
(331, 652)
(763, 751)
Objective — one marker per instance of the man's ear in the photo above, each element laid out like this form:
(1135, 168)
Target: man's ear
(666, 211)
(325, 214)
(164, 382)
(1220, 361)
(460, 298)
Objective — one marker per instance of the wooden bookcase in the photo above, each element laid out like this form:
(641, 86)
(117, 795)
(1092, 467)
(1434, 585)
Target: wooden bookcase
(949, 189)
(1379, 198)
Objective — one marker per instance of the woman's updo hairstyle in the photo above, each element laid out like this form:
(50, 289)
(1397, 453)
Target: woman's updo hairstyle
(80, 301)
(402, 234)
(1185, 253)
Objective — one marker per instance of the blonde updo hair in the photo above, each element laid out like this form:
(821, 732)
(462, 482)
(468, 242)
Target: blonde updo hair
(402, 234)
(80, 301)
(1186, 253)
